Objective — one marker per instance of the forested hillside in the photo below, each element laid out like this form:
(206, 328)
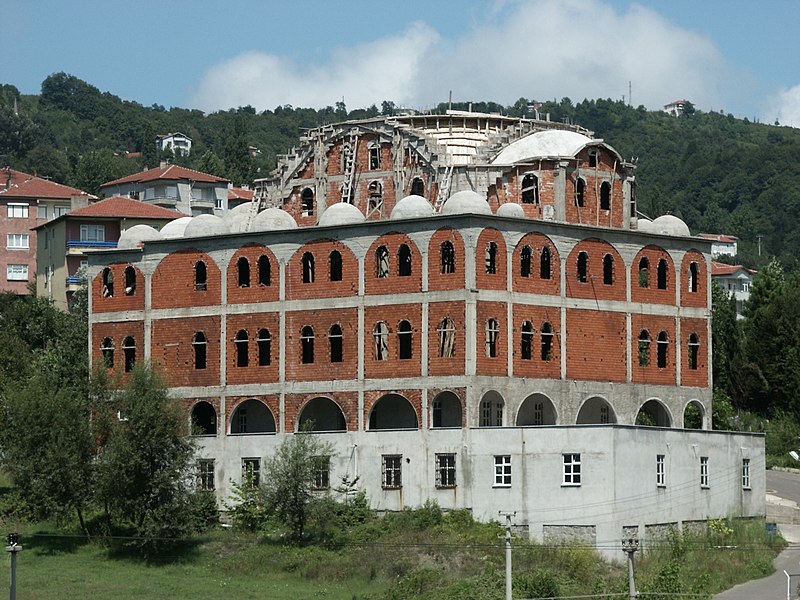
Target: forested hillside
(720, 174)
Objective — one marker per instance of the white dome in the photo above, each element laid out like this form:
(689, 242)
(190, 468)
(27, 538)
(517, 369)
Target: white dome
(244, 208)
(174, 229)
(341, 213)
(273, 218)
(645, 225)
(466, 202)
(411, 207)
(203, 225)
(510, 209)
(670, 225)
(131, 238)
(542, 144)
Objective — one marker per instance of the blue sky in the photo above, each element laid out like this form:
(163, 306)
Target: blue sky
(730, 55)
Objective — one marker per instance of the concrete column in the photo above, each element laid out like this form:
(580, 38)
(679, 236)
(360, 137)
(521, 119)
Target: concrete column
(560, 191)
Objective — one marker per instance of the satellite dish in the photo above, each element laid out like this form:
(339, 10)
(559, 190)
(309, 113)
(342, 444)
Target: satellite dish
(794, 455)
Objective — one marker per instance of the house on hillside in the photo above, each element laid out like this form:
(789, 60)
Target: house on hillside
(171, 186)
(177, 143)
(63, 242)
(25, 202)
(736, 280)
(239, 195)
(676, 108)
(722, 245)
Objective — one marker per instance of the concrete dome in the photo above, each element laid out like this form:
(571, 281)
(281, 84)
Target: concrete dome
(203, 225)
(131, 238)
(466, 202)
(273, 218)
(411, 207)
(174, 229)
(341, 213)
(245, 208)
(239, 223)
(542, 144)
(670, 225)
(510, 209)
(645, 225)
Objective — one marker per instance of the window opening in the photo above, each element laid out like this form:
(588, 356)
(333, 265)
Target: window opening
(491, 258)
(704, 471)
(264, 342)
(661, 475)
(130, 281)
(242, 346)
(644, 348)
(525, 262)
(264, 275)
(572, 469)
(583, 263)
(538, 413)
(129, 350)
(593, 158)
(547, 341)
(694, 351)
(380, 334)
(605, 196)
(491, 413)
(662, 274)
(307, 202)
(502, 471)
(417, 187)
(404, 261)
(108, 283)
(335, 340)
(526, 344)
(200, 276)
(544, 265)
(644, 273)
(447, 338)
(405, 339)
(374, 157)
(663, 345)
(693, 277)
(243, 267)
(336, 266)
(375, 190)
(251, 471)
(437, 413)
(308, 267)
(382, 260)
(746, 473)
(392, 471)
(608, 270)
(107, 351)
(492, 333)
(307, 344)
(199, 345)
(448, 256)
(322, 472)
(604, 414)
(205, 474)
(445, 470)
(580, 186)
(530, 189)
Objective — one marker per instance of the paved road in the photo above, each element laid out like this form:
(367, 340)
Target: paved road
(786, 485)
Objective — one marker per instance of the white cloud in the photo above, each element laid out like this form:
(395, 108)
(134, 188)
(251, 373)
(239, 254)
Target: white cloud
(785, 107)
(539, 49)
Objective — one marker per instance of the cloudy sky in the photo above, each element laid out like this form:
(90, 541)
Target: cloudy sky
(729, 55)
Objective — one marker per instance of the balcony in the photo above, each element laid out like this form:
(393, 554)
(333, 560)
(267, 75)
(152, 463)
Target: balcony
(75, 283)
(75, 247)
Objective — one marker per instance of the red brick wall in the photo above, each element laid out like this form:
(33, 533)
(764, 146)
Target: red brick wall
(117, 332)
(322, 368)
(535, 284)
(413, 396)
(172, 350)
(455, 364)
(694, 377)
(253, 372)
(484, 280)
(698, 298)
(651, 294)
(393, 366)
(271, 401)
(445, 281)
(322, 287)
(596, 345)
(590, 213)
(536, 367)
(652, 373)
(486, 365)
(594, 288)
(393, 284)
(255, 292)
(120, 300)
(509, 189)
(174, 281)
(347, 401)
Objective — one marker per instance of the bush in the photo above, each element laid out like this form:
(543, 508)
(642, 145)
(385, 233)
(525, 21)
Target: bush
(541, 583)
(204, 512)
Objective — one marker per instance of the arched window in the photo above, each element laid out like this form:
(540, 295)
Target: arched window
(242, 347)
(108, 283)
(583, 267)
(374, 156)
(264, 342)
(530, 189)
(335, 340)
(130, 281)
(243, 269)
(693, 277)
(417, 187)
(663, 346)
(107, 351)
(200, 276)
(580, 187)
(526, 344)
(608, 270)
(308, 268)
(447, 338)
(404, 261)
(644, 273)
(592, 157)
(605, 196)
(405, 340)
(199, 345)
(129, 350)
(307, 202)
(382, 262)
(492, 334)
(644, 348)
(448, 256)
(264, 268)
(375, 190)
(694, 351)
(307, 344)
(380, 335)
(547, 341)
(662, 274)
(491, 258)
(492, 411)
(335, 263)
(525, 262)
(544, 265)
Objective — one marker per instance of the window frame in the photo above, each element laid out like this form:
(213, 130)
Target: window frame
(18, 241)
(17, 272)
(571, 471)
(18, 207)
(251, 470)
(661, 473)
(704, 473)
(206, 476)
(391, 471)
(445, 470)
(502, 471)
(746, 474)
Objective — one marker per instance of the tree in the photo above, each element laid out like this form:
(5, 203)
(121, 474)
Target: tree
(211, 164)
(95, 169)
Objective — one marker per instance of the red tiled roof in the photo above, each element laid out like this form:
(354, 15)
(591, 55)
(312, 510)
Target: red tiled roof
(726, 239)
(239, 194)
(22, 185)
(718, 268)
(169, 173)
(128, 208)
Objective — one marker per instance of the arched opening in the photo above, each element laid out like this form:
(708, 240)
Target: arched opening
(129, 350)
(653, 414)
(307, 202)
(242, 345)
(536, 409)
(404, 261)
(243, 269)
(644, 273)
(307, 344)
(199, 346)
(694, 351)
(374, 156)
(525, 261)
(530, 189)
(393, 411)
(107, 352)
(308, 267)
(130, 281)
(583, 267)
(264, 270)
(492, 334)
(662, 274)
(375, 190)
(335, 339)
(108, 283)
(200, 276)
(417, 187)
(264, 342)
(380, 336)
(491, 410)
(335, 263)
(447, 255)
(608, 270)
(382, 262)
(644, 348)
(547, 342)
(405, 340)
(491, 258)
(204, 419)
(321, 414)
(605, 196)
(446, 410)
(580, 188)
(694, 415)
(662, 347)
(252, 416)
(544, 264)
(447, 338)
(526, 342)
(596, 410)
(693, 274)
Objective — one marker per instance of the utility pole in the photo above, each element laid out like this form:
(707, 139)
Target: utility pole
(629, 547)
(508, 516)
(13, 547)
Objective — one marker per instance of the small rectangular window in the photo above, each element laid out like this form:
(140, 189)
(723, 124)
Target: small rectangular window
(704, 472)
(572, 469)
(445, 470)
(93, 233)
(322, 472)
(17, 272)
(18, 241)
(60, 210)
(41, 211)
(746, 473)
(502, 470)
(251, 471)
(17, 211)
(392, 471)
(205, 474)
(661, 477)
